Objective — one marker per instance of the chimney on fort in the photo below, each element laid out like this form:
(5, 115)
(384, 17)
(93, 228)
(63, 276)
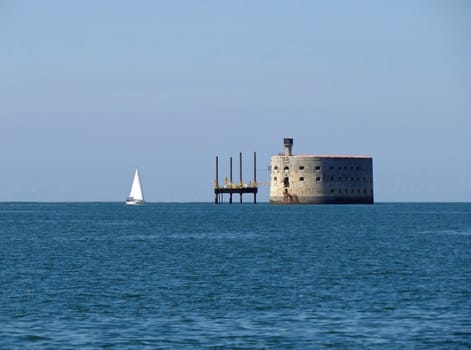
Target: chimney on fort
(288, 141)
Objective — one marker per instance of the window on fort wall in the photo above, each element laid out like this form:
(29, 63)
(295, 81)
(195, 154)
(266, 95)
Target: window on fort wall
(332, 191)
(318, 178)
(276, 167)
(301, 167)
(286, 168)
(286, 182)
(301, 178)
(275, 178)
(318, 167)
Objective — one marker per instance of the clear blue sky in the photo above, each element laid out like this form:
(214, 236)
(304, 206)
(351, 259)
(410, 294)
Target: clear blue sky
(91, 89)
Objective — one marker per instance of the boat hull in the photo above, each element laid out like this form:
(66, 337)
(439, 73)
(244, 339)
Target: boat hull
(134, 202)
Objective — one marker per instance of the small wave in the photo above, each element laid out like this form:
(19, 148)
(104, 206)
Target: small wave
(449, 232)
(132, 296)
(35, 338)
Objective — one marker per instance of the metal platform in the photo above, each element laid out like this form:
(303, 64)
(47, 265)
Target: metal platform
(230, 188)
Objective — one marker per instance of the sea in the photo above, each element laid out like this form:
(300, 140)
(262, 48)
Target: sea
(206, 276)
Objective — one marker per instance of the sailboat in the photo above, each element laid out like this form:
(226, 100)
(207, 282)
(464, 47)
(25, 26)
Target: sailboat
(136, 196)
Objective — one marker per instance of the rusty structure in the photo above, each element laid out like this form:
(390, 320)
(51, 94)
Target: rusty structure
(228, 187)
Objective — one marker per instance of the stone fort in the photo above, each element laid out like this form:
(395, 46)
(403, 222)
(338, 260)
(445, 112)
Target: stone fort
(320, 179)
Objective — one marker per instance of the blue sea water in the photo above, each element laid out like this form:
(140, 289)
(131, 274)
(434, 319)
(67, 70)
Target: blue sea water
(191, 276)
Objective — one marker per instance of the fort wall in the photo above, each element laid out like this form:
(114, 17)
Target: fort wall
(320, 179)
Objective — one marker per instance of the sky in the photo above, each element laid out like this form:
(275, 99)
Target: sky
(89, 90)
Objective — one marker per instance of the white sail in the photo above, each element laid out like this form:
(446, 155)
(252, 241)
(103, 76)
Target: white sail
(136, 194)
